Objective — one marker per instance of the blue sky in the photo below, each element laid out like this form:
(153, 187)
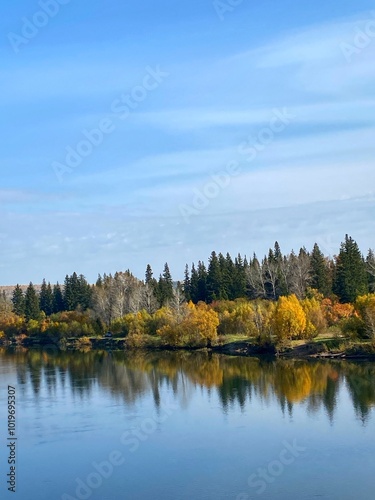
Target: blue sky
(187, 93)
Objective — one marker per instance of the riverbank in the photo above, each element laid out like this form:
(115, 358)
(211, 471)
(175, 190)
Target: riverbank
(319, 348)
(313, 350)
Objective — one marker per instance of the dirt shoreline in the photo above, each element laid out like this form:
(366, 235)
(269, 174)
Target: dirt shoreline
(313, 350)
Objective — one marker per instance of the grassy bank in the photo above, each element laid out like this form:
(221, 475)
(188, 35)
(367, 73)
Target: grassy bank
(323, 346)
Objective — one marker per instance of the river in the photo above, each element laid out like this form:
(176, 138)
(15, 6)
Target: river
(187, 425)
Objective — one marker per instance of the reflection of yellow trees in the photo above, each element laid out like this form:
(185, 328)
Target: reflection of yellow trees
(293, 384)
(130, 376)
(206, 370)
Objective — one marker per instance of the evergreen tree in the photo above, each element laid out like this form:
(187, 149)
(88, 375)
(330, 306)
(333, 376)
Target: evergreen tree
(226, 283)
(69, 295)
(281, 281)
(277, 252)
(214, 281)
(84, 294)
(18, 301)
(186, 286)
(350, 273)
(321, 278)
(148, 275)
(165, 287)
(57, 299)
(194, 284)
(77, 293)
(202, 283)
(238, 282)
(46, 298)
(32, 310)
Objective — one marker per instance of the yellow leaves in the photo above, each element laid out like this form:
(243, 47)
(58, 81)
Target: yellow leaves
(289, 319)
(243, 318)
(365, 307)
(365, 302)
(11, 324)
(315, 321)
(197, 328)
(334, 312)
(135, 324)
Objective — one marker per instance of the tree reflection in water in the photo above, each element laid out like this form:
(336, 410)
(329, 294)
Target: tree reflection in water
(129, 376)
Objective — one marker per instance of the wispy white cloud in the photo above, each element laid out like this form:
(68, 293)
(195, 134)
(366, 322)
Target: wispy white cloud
(314, 182)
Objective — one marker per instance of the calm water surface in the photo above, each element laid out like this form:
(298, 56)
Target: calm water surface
(188, 426)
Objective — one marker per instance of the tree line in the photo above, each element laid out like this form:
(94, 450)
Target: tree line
(346, 276)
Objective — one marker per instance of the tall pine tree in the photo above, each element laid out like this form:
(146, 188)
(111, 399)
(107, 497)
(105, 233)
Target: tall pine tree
(18, 301)
(187, 285)
(57, 299)
(321, 278)
(46, 298)
(165, 287)
(32, 310)
(214, 278)
(350, 273)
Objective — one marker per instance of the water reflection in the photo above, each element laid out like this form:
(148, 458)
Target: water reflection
(237, 380)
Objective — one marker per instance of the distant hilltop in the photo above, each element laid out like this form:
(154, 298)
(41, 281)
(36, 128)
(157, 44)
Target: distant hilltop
(9, 289)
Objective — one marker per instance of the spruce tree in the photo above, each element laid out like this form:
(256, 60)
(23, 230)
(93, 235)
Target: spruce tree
(320, 272)
(148, 274)
(32, 310)
(186, 285)
(239, 278)
(194, 284)
(18, 301)
(230, 277)
(165, 287)
(202, 283)
(214, 281)
(77, 293)
(58, 299)
(46, 298)
(84, 293)
(350, 273)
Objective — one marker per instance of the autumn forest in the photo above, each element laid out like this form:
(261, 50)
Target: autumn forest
(273, 301)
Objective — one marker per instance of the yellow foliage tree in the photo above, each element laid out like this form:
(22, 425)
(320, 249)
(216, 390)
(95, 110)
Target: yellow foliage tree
(315, 320)
(197, 328)
(365, 307)
(289, 320)
(334, 312)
